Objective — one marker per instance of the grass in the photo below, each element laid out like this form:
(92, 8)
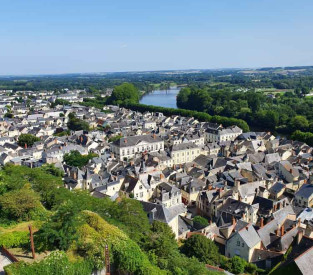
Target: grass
(23, 226)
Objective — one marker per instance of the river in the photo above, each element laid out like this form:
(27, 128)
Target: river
(161, 98)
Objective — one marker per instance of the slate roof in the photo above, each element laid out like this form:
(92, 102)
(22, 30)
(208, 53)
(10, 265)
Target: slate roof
(161, 213)
(249, 235)
(305, 262)
(133, 140)
(305, 191)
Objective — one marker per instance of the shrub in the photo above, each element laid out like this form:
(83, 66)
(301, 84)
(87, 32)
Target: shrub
(14, 239)
(56, 263)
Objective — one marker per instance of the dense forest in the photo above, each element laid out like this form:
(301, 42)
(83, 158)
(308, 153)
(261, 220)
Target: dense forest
(283, 112)
(279, 78)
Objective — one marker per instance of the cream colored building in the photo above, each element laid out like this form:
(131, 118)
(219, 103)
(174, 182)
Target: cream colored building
(128, 147)
(243, 243)
(184, 152)
(231, 133)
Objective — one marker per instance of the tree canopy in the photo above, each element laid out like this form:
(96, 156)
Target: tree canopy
(27, 140)
(124, 93)
(202, 248)
(74, 158)
(76, 124)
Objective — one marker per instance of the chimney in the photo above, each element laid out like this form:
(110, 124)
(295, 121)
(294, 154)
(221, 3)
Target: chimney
(275, 207)
(277, 232)
(25, 145)
(237, 184)
(154, 136)
(81, 139)
(299, 236)
(161, 176)
(125, 140)
(233, 221)
(299, 222)
(261, 222)
(282, 230)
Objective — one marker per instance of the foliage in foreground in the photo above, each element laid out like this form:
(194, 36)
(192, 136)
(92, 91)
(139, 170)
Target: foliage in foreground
(56, 263)
(81, 225)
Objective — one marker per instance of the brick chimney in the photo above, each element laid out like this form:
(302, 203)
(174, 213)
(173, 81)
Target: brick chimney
(125, 140)
(282, 230)
(275, 207)
(233, 221)
(161, 176)
(261, 222)
(299, 222)
(25, 145)
(154, 136)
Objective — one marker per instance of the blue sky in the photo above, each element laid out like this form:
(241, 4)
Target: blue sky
(67, 36)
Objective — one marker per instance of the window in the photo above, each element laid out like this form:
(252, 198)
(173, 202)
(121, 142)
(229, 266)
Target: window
(141, 194)
(238, 243)
(140, 187)
(243, 245)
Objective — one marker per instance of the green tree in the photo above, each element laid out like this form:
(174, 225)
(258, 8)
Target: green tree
(74, 158)
(299, 123)
(237, 265)
(27, 140)
(51, 169)
(124, 93)
(202, 248)
(133, 218)
(183, 97)
(76, 124)
(161, 240)
(19, 204)
(61, 229)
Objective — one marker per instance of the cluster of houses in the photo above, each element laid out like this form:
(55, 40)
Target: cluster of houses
(254, 189)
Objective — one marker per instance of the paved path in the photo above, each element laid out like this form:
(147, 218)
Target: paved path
(3, 262)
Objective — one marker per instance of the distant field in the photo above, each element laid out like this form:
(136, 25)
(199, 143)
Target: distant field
(273, 90)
